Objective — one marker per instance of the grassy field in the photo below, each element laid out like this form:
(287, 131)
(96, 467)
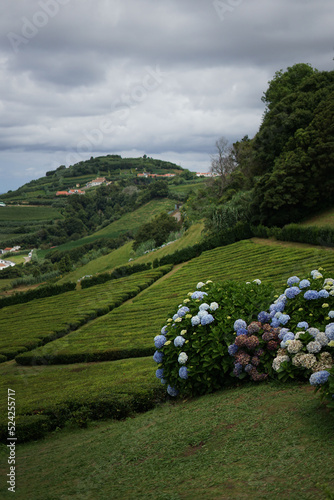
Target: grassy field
(259, 442)
(28, 213)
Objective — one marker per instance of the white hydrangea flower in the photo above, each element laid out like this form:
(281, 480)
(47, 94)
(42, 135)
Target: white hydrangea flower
(183, 358)
(313, 347)
(294, 346)
(322, 339)
(278, 360)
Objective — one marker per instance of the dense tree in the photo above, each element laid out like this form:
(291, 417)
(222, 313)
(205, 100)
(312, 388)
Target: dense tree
(158, 230)
(302, 180)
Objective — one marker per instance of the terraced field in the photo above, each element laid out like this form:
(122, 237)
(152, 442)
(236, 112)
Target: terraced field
(128, 330)
(25, 326)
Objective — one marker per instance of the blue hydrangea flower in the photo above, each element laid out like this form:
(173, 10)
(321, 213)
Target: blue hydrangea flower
(331, 314)
(239, 323)
(304, 284)
(202, 313)
(277, 306)
(204, 306)
(159, 341)
(206, 320)
(179, 341)
(303, 325)
(329, 331)
(263, 317)
(175, 316)
(283, 319)
(293, 280)
(232, 349)
(164, 330)
(292, 292)
(159, 373)
(172, 391)
(323, 294)
(242, 331)
(157, 356)
(311, 295)
(183, 311)
(288, 336)
(283, 332)
(248, 368)
(183, 372)
(319, 378)
(198, 295)
(195, 320)
(275, 323)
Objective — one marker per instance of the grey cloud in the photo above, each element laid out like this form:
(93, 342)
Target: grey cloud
(91, 64)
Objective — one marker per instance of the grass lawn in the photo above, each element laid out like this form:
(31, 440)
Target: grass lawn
(260, 442)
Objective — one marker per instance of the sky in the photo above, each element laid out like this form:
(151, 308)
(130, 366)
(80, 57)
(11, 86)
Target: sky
(168, 78)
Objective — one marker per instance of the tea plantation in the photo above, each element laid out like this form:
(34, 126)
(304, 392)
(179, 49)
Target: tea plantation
(98, 381)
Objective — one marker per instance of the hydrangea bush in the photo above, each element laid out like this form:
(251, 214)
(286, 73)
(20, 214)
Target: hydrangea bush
(304, 313)
(217, 335)
(192, 347)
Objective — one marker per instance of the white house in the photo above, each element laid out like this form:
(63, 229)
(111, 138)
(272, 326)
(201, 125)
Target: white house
(6, 263)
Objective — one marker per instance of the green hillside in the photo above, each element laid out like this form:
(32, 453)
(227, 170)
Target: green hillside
(112, 167)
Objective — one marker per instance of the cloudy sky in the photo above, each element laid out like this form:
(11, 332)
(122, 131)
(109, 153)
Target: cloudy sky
(82, 78)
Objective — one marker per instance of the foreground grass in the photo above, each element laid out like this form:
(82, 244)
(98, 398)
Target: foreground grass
(265, 441)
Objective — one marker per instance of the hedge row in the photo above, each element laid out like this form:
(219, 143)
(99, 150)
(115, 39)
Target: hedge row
(79, 413)
(64, 358)
(37, 293)
(117, 273)
(53, 396)
(312, 235)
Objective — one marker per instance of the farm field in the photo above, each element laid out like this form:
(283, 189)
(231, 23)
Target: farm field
(129, 329)
(49, 318)
(28, 213)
